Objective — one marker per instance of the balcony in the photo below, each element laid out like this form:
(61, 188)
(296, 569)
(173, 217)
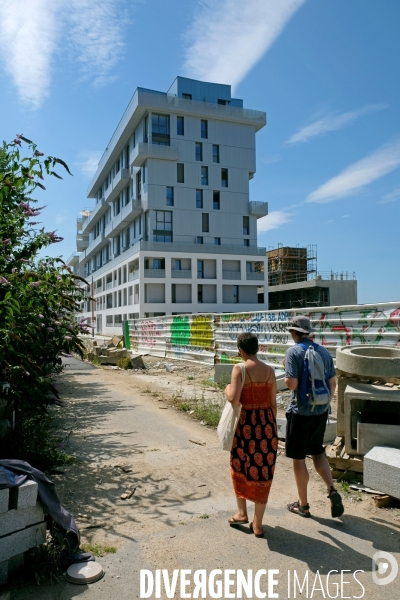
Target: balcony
(231, 275)
(142, 151)
(181, 274)
(97, 212)
(255, 276)
(82, 241)
(120, 181)
(154, 272)
(126, 216)
(258, 209)
(73, 259)
(109, 285)
(94, 244)
(133, 276)
(199, 248)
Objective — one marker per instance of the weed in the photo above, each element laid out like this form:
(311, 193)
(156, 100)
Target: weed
(190, 378)
(220, 385)
(98, 549)
(204, 516)
(184, 406)
(345, 487)
(125, 363)
(155, 394)
(147, 391)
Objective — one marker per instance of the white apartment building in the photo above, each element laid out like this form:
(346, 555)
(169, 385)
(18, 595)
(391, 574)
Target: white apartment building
(172, 229)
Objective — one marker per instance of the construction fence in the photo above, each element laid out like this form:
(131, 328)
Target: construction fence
(211, 338)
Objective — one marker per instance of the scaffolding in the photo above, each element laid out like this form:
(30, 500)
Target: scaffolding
(287, 264)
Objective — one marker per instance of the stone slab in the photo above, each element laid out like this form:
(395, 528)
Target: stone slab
(382, 470)
(373, 434)
(4, 500)
(21, 541)
(330, 431)
(24, 496)
(14, 520)
(356, 397)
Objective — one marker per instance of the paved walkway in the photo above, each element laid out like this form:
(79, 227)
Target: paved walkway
(177, 518)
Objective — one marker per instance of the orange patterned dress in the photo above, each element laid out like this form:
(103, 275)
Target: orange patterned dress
(255, 443)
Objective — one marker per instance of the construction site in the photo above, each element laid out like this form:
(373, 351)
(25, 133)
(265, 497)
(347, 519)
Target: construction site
(295, 282)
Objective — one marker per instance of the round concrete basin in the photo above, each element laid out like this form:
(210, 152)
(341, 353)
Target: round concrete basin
(369, 361)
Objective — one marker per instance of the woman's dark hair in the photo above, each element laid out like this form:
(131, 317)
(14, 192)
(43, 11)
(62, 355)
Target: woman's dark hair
(248, 342)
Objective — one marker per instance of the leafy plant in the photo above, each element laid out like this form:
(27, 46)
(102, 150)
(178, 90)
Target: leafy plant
(38, 296)
(125, 363)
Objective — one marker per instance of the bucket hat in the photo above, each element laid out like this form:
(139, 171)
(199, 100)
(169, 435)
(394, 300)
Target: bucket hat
(301, 324)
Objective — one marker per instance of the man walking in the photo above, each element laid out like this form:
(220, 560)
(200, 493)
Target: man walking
(306, 422)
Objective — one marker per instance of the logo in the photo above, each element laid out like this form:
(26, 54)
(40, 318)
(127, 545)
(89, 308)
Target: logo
(384, 568)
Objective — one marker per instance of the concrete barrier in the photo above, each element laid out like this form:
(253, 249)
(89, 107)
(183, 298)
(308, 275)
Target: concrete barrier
(382, 470)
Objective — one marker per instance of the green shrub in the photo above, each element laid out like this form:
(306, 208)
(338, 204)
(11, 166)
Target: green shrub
(125, 363)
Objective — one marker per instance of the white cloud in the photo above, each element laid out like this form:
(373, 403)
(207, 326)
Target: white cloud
(89, 163)
(332, 123)
(273, 220)
(381, 162)
(32, 32)
(391, 196)
(28, 34)
(227, 38)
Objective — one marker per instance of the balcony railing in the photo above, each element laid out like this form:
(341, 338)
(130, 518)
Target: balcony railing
(231, 275)
(181, 273)
(98, 211)
(255, 276)
(154, 272)
(143, 150)
(199, 248)
(258, 209)
(82, 242)
(120, 181)
(133, 276)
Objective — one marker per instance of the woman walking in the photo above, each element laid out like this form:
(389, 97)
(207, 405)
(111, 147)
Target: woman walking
(253, 453)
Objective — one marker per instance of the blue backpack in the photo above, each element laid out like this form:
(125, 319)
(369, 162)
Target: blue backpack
(313, 389)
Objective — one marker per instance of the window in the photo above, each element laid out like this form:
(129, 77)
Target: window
(199, 239)
(199, 151)
(246, 242)
(199, 198)
(204, 129)
(205, 222)
(160, 129)
(109, 300)
(204, 175)
(224, 177)
(200, 269)
(223, 102)
(128, 237)
(159, 263)
(146, 130)
(180, 173)
(235, 294)
(215, 153)
(173, 293)
(216, 201)
(187, 96)
(163, 231)
(217, 241)
(200, 293)
(117, 319)
(246, 226)
(109, 321)
(170, 196)
(139, 184)
(178, 264)
(180, 126)
(144, 171)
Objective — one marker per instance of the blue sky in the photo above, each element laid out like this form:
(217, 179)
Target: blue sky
(325, 72)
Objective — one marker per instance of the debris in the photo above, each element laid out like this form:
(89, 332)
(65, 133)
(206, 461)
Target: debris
(389, 385)
(170, 368)
(363, 488)
(163, 407)
(383, 501)
(124, 468)
(128, 494)
(191, 412)
(197, 442)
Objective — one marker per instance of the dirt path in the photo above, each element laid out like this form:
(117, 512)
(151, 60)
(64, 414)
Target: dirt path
(126, 437)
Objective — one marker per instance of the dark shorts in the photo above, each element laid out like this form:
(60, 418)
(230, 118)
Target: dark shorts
(305, 435)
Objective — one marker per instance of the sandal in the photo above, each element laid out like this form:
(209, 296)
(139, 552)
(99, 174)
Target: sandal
(301, 510)
(233, 521)
(337, 508)
(258, 535)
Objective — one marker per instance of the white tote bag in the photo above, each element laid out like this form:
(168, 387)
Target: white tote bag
(229, 419)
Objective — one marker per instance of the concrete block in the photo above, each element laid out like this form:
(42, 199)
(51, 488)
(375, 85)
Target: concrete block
(21, 541)
(15, 520)
(3, 572)
(382, 470)
(372, 362)
(4, 500)
(330, 431)
(357, 397)
(24, 495)
(370, 435)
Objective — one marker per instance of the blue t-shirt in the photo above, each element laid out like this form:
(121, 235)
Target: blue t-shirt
(294, 368)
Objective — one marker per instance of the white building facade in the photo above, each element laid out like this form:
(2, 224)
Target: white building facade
(173, 230)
